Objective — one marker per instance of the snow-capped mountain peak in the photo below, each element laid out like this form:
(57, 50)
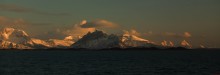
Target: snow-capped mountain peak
(99, 40)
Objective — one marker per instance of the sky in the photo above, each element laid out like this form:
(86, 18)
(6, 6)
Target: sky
(197, 21)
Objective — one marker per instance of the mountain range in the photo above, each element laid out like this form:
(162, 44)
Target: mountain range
(11, 38)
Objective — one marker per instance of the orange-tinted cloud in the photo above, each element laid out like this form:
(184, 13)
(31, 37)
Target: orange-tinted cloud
(77, 30)
(132, 32)
(20, 9)
(12, 22)
(98, 24)
(169, 34)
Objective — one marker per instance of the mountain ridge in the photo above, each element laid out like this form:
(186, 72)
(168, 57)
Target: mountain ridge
(100, 40)
(19, 39)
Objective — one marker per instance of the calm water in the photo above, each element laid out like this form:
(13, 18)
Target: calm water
(110, 62)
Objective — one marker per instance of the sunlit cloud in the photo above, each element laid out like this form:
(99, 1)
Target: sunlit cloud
(77, 30)
(98, 24)
(82, 28)
(177, 35)
(132, 32)
(21, 9)
(169, 34)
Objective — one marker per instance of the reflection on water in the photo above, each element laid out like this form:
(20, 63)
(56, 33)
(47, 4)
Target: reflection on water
(109, 62)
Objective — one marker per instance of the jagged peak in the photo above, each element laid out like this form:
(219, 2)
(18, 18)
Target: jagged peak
(96, 33)
(99, 31)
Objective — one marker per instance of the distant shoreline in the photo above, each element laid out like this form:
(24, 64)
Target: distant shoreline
(110, 49)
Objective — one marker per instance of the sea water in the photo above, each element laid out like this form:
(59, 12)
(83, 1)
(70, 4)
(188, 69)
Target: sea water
(150, 62)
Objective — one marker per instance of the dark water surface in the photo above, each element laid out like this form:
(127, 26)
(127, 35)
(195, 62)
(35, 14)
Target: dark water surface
(205, 62)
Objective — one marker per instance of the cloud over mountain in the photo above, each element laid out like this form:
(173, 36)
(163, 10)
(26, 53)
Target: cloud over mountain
(77, 30)
(84, 27)
(98, 24)
(132, 32)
